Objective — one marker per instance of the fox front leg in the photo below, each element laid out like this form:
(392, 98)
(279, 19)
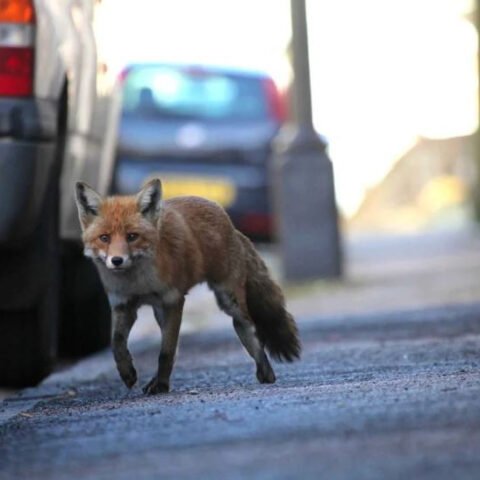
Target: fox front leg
(169, 321)
(123, 319)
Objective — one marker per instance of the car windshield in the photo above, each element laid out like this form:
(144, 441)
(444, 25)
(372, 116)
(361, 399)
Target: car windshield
(163, 92)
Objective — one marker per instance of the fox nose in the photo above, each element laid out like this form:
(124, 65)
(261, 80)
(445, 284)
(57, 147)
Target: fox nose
(117, 261)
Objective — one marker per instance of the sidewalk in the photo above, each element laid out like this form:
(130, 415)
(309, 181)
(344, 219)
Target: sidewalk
(387, 273)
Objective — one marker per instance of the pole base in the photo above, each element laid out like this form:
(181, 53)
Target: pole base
(304, 200)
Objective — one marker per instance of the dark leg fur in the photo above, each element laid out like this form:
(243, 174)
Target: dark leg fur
(123, 320)
(169, 323)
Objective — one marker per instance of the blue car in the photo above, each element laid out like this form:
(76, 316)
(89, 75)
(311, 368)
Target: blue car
(204, 131)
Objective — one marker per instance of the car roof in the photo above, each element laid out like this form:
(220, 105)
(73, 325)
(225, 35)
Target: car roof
(201, 67)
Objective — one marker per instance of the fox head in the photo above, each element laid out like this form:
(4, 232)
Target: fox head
(119, 231)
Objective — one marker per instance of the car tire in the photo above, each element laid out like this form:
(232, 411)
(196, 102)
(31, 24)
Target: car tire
(29, 337)
(85, 325)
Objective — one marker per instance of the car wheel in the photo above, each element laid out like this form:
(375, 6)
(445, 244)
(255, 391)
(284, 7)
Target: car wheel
(29, 337)
(85, 311)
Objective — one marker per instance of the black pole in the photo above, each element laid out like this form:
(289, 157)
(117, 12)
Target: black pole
(301, 66)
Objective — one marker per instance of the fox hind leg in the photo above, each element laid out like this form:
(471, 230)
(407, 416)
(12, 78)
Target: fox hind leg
(246, 333)
(233, 303)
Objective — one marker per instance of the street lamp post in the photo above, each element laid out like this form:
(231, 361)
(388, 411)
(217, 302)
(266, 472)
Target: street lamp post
(476, 135)
(304, 194)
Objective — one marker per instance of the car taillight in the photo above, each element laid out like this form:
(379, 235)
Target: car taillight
(17, 37)
(259, 224)
(276, 101)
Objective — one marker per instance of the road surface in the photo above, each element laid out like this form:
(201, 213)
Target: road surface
(375, 396)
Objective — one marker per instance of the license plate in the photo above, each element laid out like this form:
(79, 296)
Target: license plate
(216, 189)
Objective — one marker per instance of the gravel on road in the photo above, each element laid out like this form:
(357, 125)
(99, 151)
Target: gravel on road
(385, 395)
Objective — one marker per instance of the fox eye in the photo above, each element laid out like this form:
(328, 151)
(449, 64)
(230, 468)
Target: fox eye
(131, 237)
(104, 238)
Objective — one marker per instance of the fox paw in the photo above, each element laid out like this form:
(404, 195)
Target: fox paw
(155, 386)
(129, 376)
(265, 374)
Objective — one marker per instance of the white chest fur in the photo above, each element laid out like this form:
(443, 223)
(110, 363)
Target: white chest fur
(140, 284)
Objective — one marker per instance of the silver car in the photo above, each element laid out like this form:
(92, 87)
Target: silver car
(52, 132)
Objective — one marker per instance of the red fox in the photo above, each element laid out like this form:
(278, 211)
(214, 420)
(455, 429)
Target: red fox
(150, 251)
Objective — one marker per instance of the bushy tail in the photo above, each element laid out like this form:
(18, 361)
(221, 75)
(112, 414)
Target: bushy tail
(276, 328)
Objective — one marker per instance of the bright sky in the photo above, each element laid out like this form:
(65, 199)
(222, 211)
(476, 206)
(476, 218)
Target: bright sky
(247, 33)
(383, 71)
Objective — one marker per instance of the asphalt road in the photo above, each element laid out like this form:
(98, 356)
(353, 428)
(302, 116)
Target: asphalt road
(381, 396)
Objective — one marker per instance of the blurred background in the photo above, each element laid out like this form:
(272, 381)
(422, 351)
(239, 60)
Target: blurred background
(394, 88)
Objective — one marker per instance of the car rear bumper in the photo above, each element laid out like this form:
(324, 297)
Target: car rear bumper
(28, 129)
(249, 206)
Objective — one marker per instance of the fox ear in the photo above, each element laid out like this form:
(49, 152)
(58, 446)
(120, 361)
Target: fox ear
(149, 200)
(88, 203)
